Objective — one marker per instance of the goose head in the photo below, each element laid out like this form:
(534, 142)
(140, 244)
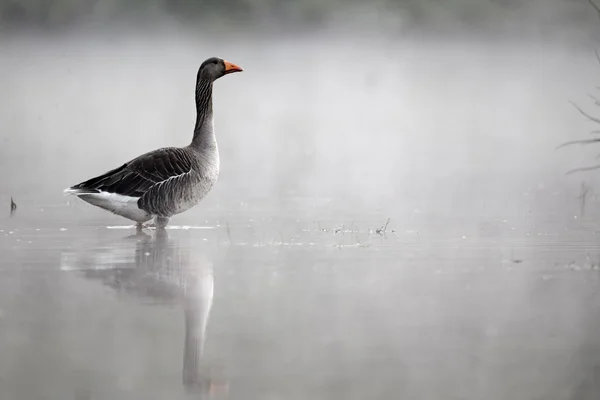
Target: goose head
(215, 67)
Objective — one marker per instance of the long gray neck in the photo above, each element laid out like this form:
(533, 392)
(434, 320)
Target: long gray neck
(204, 135)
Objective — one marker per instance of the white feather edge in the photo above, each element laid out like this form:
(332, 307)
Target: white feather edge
(119, 204)
(71, 191)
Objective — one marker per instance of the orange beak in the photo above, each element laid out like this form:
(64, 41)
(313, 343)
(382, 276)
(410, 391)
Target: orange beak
(230, 68)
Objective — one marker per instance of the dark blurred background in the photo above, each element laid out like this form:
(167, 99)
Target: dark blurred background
(493, 16)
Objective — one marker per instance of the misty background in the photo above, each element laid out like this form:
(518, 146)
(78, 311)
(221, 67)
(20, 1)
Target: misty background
(396, 106)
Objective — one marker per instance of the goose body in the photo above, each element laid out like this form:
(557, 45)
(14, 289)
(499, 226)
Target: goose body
(170, 180)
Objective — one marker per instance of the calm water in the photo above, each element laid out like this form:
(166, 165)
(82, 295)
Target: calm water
(267, 308)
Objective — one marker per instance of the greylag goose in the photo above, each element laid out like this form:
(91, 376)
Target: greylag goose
(170, 180)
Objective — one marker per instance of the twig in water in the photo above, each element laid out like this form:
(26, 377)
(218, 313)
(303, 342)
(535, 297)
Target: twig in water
(585, 191)
(381, 231)
(229, 234)
(13, 206)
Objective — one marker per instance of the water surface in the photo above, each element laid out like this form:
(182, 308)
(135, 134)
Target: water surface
(268, 308)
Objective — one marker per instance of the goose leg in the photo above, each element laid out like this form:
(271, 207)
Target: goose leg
(161, 222)
(140, 225)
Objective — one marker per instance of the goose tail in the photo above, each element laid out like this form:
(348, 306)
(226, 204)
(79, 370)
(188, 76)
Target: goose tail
(77, 191)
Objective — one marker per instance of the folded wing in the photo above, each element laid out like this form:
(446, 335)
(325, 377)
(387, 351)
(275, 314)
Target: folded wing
(136, 177)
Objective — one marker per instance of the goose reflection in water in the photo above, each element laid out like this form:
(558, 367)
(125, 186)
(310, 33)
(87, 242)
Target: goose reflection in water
(164, 271)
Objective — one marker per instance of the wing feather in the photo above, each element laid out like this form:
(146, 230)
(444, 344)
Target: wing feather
(136, 177)
(170, 196)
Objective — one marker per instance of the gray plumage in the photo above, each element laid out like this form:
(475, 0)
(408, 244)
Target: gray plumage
(167, 181)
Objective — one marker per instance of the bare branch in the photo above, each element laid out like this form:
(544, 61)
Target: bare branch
(595, 7)
(588, 116)
(593, 167)
(596, 120)
(596, 100)
(585, 141)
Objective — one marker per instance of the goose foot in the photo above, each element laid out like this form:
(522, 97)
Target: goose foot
(161, 222)
(158, 223)
(139, 227)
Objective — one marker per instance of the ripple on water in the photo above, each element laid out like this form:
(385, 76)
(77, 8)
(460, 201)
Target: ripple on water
(173, 227)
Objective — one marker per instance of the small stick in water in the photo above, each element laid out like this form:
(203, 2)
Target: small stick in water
(229, 234)
(13, 206)
(381, 231)
(585, 191)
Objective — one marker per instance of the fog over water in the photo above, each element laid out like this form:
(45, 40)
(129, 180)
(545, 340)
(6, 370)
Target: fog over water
(362, 119)
(278, 284)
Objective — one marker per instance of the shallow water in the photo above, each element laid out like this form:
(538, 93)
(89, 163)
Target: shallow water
(267, 308)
